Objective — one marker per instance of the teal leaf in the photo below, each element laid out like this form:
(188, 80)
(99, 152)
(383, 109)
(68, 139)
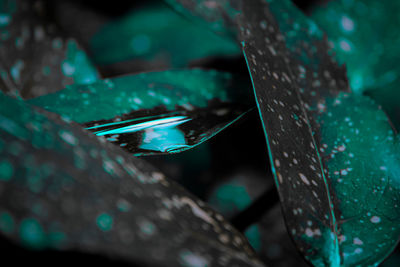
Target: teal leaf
(276, 246)
(365, 36)
(266, 230)
(36, 57)
(155, 33)
(157, 112)
(334, 156)
(237, 192)
(362, 156)
(218, 16)
(67, 190)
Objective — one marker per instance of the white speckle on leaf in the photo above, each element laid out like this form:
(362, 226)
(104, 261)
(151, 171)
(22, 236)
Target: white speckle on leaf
(304, 179)
(375, 219)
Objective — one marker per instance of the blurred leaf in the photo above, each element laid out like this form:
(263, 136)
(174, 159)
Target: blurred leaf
(268, 236)
(237, 192)
(217, 15)
(157, 33)
(276, 246)
(158, 112)
(63, 189)
(339, 210)
(365, 36)
(35, 57)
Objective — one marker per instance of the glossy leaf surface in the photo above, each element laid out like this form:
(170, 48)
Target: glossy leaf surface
(297, 87)
(36, 58)
(64, 189)
(157, 33)
(365, 36)
(159, 112)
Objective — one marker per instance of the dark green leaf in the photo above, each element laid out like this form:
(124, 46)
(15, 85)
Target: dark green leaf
(35, 57)
(63, 189)
(158, 112)
(365, 36)
(157, 33)
(334, 156)
(268, 236)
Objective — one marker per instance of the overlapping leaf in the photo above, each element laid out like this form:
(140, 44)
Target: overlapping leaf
(269, 237)
(63, 189)
(236, 194)
(35, 57)
(156, 33)
(319, 139)
(159, 112)
(339, 210)
(365, 36)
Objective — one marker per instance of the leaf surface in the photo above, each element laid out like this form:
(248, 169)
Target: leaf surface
(364, 35)
(35, 56)
(321, 167)
(158, 112)
(157, 33)
(63, 189)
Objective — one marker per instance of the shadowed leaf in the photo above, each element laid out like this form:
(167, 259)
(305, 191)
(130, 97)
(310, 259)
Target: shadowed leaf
(63, 189)
(35, 56)
(157, 33)
(365, 36)
(338, 210)
(268, 236)
(159, 112)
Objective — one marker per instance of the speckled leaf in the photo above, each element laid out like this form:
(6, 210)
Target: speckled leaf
(321, 172)
(157, 33)
(365, 35)
(35, 57)
(337, 176)
(152, 113)
(64, 189)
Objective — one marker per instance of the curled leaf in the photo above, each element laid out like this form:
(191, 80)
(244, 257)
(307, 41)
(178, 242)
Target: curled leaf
(62, 189)
(298, 86)
(159, 112)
